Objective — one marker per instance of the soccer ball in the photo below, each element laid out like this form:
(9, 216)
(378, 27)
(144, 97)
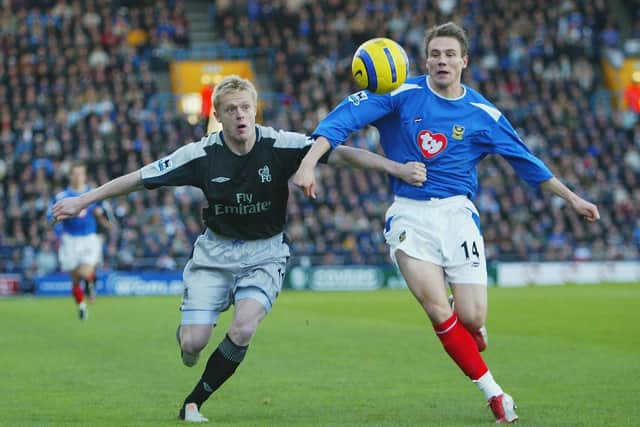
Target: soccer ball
(380, 65)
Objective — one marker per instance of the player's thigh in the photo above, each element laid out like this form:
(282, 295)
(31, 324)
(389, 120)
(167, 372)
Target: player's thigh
(471, 303)
(86, 270)
(207, 293)
(463, 245)
(90, 250)
(68, 255)
(261, 282)
(246, 318)
(426, 282)
(75, 275)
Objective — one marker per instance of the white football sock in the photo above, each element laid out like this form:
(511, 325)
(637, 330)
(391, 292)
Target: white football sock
(488, 386)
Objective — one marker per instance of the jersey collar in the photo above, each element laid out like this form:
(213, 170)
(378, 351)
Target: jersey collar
(464, 91)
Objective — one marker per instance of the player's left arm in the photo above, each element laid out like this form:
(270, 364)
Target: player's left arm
(99, 213)
(414, 173)
(532, 169)
(585, 208)
(352, 114)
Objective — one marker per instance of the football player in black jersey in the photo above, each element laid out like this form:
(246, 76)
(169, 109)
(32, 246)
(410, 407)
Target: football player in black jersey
(240, 259)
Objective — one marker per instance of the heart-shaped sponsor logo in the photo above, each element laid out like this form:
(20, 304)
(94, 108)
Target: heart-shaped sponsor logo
(431, 144)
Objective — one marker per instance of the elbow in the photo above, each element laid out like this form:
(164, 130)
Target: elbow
(337, 157)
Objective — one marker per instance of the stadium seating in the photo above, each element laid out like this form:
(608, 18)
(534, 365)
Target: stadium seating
(76, 82)
(542, 71)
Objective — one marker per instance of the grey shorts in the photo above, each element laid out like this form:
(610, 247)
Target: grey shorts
(223, 271)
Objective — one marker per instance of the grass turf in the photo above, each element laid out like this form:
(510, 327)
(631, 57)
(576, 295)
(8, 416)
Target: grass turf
(569, 355)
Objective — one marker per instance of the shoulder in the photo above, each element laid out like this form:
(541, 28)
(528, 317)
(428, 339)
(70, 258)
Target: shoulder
(196, 149)
(410, 85)
(281, 138)
(208, 141)
(475, 102)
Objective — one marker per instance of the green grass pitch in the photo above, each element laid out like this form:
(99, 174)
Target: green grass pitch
(569, 355)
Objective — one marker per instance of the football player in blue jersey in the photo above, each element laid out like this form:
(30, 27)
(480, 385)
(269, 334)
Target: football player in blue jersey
(433, 230)
(80, 250)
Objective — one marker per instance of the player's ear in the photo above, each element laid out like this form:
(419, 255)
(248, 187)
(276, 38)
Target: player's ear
(465, 61)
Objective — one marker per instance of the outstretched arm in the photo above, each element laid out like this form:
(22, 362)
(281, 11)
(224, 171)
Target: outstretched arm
(587, 209)
(102, 219)
(304, 177)
(414, 173)
(71, 206)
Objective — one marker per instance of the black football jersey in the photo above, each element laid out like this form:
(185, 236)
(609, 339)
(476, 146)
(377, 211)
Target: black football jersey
(247, 194)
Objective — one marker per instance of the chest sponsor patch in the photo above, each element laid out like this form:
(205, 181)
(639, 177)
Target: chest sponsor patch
(431, 144)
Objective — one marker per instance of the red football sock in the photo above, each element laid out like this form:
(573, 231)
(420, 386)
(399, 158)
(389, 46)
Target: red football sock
(462, 348)
(78, 293)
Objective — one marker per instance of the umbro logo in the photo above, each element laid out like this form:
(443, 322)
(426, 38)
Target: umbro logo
(220, 179)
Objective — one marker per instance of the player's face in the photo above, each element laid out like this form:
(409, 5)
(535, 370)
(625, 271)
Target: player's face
(77, 177)
(237, 115)
(445, 64)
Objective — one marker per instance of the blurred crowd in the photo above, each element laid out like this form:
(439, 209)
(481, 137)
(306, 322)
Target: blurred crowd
(77, 83)
(538, 61)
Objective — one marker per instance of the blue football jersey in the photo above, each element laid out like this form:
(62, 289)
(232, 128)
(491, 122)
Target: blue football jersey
(83, 224)
(450, 136)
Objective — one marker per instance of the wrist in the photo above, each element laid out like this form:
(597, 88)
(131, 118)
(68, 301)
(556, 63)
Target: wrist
(308, 163)
(394, 169)
(85, 199)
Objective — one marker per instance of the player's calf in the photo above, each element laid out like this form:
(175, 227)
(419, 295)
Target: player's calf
(221, 365)
(474, 322)
(90, 287)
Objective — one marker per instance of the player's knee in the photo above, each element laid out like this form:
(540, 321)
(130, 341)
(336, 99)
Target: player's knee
(241, 332)
(192, 343)
(437, 312)
(472, 319)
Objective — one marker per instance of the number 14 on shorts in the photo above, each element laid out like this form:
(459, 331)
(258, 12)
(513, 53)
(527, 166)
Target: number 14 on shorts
(474, 249)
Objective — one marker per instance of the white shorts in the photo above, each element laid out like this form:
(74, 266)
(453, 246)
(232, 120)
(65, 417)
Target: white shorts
(445, 232)
(77, 250)
(223, 271)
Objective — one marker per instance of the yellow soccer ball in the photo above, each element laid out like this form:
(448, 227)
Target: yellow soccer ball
(380, 65)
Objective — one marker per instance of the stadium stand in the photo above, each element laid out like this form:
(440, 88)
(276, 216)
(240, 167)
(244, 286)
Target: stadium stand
(77, 83)
(543, 72)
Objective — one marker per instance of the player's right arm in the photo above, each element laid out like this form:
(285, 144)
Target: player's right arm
(179, 168)
(72, 206)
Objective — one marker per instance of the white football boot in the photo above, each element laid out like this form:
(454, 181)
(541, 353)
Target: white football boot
(192, 415)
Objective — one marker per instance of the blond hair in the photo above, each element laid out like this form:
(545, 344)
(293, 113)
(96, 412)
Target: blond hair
(233, 83)
(449, 29)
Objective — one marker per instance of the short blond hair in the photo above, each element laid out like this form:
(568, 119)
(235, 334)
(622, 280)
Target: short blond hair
(233, 83)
